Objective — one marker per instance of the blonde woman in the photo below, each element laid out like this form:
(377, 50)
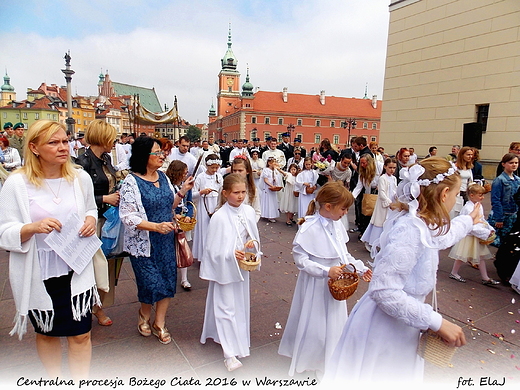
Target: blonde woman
(369, 173)
(40, 197)
(464, 163)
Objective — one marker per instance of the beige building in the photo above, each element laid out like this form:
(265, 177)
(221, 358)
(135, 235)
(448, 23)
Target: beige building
(449, 63)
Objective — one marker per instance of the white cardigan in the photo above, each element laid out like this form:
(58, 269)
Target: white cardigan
(24, 267)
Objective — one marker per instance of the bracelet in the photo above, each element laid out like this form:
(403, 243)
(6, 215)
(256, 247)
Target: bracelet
(180, 195)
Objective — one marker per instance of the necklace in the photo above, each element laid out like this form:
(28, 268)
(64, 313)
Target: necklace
(56, 198)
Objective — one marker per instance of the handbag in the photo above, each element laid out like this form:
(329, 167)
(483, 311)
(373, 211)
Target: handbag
(182, 250)
(112, 234)
(432, 347)
(368, 204)
(101, 270)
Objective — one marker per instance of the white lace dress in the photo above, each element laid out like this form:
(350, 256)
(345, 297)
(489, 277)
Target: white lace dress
(380, 340)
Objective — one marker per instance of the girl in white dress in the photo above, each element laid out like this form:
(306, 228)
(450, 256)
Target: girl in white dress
(227, 313)
(386, 187)
(316, 319)
(257, 165)
(242, 166)
(469, 249)
(205, 193)
(272, 179)
(381, 337)
(306, 183)
(289, 202)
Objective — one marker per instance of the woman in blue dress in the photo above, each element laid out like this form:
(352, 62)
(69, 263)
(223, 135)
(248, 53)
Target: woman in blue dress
(146, 208)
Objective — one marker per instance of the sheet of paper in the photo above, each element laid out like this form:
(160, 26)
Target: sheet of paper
(75, 250)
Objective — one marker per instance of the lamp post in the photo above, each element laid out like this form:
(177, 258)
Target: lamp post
(290, 129)
(349, 124)
(68, 78)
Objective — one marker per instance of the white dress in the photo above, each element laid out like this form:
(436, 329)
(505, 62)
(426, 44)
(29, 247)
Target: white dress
(269, 199)
(289, 202)
(306, 176)
(227, 313)
(257, 166)
(466, 177)
(202, 201)
(316, 319)
(469, 249)
(380, 340)
(386, 188)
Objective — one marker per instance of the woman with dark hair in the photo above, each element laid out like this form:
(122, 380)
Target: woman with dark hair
(147, 201)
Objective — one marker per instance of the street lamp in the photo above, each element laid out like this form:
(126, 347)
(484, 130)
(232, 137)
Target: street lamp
(349, 124)
(290, 129)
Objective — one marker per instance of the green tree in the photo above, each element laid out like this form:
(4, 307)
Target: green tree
(193, 133)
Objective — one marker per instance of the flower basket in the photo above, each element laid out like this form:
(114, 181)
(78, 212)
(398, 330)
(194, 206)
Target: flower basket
(252, 260)
(275, 188)
(489, 240)
(187, 226)
(434, 350)
(345, 285)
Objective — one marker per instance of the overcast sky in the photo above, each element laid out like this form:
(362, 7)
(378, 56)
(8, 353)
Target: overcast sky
(176, 46)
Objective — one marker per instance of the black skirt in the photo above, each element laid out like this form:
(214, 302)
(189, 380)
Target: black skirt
(64, 324)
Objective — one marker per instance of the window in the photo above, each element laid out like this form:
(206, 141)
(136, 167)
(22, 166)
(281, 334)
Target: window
(365, 125)
(317, 138)
(482, 115)
(248, 105)
(280, 121)
(4, 115)
(267, 120)
(267, 134)
(253, 119)
(54, 117)
(374, 125)
(279, 136)
(48, 116)
(299, 122)
(318, 123)
(36, 115)
(24, 115)
(332, 123)
(300, 136)
(373, 139)
(335, 139)
(85, 114)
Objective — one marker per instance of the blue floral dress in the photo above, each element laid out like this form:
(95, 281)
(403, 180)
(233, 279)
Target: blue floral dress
(156, 276)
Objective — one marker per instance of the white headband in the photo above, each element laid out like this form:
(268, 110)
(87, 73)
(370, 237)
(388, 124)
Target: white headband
(211, 162)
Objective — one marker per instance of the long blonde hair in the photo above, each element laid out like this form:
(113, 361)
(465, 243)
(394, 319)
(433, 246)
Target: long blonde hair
(366, 175)
(39, 133)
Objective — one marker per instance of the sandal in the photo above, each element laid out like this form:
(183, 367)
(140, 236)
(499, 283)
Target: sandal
(490, 282)
(103, 319)
(143, 325)
(458, 278)
(232, 363)
(288, 223)
(162, 334)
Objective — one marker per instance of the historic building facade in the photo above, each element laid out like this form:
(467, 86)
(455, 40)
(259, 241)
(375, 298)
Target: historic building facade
(247, 114)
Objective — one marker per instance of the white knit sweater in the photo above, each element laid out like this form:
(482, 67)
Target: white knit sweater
(24, 268)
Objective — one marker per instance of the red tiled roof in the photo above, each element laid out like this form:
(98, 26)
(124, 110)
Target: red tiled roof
(310, 104)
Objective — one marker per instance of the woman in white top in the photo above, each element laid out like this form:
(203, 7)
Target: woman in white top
(464, 164)
(12, 158)
(40, 198)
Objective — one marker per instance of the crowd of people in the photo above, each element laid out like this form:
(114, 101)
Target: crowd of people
(406, 210)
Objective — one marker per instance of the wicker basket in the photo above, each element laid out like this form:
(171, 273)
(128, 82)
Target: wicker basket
(252, 260)
(489, 240)
(275, 188)
(345, 285)
(310, 190)
(434, 350)
(187, 226)
(296, 194)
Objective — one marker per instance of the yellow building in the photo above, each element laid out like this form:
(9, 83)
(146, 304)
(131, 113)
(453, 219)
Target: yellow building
(450, 63)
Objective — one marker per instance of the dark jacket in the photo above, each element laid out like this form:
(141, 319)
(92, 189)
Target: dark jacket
(94, 167)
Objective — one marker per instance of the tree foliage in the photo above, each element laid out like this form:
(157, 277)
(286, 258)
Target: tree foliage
(193, 133)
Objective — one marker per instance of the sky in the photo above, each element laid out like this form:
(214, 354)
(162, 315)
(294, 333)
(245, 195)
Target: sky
(175, 46)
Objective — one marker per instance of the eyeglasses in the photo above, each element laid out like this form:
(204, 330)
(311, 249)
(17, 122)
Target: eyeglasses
(161, 153)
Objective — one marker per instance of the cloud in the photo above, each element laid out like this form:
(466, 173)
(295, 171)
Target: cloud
(337, 46)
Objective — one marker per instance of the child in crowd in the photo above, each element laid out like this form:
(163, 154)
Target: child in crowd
(316, 319)
(242, 166)
(205, 192)
(227, 318)
(387, 185)
(289, 202)
(272, 181)
(177, 172)
(469, 249)
(257, 164)
(381, 337)
(306, 182)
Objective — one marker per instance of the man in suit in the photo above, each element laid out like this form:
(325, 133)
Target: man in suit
(286, 147)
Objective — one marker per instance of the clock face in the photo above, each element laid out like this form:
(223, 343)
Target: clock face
(230, 81)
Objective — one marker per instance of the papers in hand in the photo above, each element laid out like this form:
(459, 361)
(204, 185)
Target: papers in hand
(75, 250)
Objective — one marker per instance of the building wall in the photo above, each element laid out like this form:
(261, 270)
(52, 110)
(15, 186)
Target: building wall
(444, 58)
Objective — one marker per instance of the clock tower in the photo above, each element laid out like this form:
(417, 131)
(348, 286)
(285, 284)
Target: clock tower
(228, 98)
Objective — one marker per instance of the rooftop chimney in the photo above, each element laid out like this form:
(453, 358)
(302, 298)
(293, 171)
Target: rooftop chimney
(374, 101)
(284, 94)
(322, 97)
